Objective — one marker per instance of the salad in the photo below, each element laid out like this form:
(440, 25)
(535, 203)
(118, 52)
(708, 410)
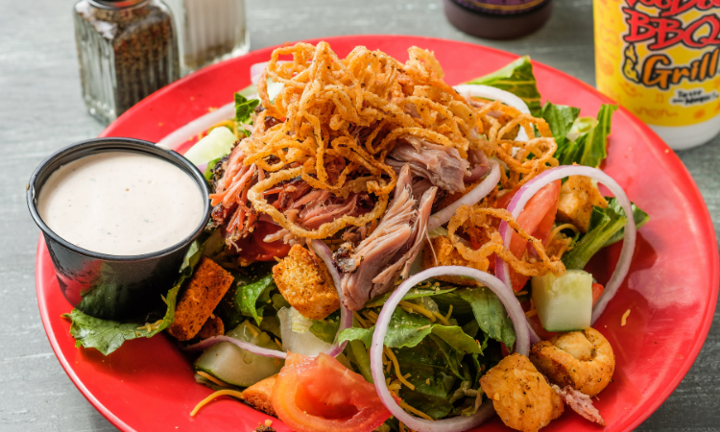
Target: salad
(387, 252)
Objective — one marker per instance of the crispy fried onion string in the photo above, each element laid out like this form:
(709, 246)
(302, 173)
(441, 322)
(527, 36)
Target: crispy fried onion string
(336, 120)
(479, 217)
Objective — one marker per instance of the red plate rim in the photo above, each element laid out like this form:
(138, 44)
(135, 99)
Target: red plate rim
(707, 226)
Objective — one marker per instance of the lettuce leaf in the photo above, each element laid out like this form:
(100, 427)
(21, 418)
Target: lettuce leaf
(490, 314)
(518, 79)
(606, 228)
(604, 223)
(409, 329)
(586, 142)
(107, 336)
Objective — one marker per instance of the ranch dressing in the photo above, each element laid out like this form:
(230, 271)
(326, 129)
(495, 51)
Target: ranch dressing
(121, 203)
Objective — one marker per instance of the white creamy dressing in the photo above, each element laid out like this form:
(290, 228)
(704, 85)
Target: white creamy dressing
(121, 203)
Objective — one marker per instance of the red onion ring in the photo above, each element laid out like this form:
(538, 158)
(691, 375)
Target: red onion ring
(346, 316)
(247, 346)
(197, 126)
(530, 188)
(455, 424)
(256, 71)
(473, 197)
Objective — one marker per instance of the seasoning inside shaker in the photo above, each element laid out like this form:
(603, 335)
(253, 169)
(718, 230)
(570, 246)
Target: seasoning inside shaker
(127, 50)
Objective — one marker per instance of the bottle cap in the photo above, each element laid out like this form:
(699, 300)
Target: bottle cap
(115, 4)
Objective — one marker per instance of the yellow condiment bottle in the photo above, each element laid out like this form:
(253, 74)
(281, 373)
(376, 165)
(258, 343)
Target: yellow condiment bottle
(660, 59)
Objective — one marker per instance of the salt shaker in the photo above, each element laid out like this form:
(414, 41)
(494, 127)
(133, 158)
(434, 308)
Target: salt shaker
(209, 31)
(127, 49)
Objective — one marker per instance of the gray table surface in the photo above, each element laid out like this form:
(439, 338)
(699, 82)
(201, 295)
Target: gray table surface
(41, 111)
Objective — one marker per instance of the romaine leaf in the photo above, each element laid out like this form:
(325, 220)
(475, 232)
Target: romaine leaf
(641, 218)
(518, 79)
(560, 119)
(589, 148)
(106, 335)
(326, 329)
(490, 314)
(408, 330)
(251, 298)
(244, 108)
(412, 294)
(604, 224)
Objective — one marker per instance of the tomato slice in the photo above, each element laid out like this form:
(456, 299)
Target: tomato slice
(537, 218)
(597, 291)
(319, 394)
(255, 249)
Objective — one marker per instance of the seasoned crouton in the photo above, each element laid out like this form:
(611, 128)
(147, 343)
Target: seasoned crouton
(306, 284)
(207, 287)
(522, 397)
(583, 360)
(259, 395)
(577, 198)
(440, 252)
(212, 327)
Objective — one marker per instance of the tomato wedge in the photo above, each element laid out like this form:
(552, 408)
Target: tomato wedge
(537, 218)
(319, 394)
(255, 249)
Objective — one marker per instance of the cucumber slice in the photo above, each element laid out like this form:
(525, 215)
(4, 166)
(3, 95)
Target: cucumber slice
(563, 303)
(216, 144)
(237, 366)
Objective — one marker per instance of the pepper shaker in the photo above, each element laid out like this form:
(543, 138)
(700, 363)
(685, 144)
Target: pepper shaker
(127, 49)
(209, 31)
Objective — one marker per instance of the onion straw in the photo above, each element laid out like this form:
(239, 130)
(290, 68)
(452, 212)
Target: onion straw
(454, 424)
(529, 189)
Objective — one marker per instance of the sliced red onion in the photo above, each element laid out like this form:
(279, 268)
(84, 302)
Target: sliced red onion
(455, 424)
(197, 126)
(256, 71)
(503, 96)
(526, 192)
(471, 198)
(346, 316)
(247, 346)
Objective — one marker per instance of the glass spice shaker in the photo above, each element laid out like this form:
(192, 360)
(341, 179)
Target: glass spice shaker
(209, 31)
(127, 49)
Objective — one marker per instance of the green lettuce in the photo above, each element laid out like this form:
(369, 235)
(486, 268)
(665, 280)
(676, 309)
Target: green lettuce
(409, 329)
(414, 293)
(244, 107)
(107, 335)
(586, 141)
(327, 328)
(606, 227)
(518, 79)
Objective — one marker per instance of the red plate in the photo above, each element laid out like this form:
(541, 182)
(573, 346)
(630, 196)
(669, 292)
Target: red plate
(671, 290)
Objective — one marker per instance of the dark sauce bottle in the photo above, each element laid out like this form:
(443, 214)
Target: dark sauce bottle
(498, 19)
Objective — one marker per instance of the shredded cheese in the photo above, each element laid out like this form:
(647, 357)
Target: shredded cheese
(361, 321)
(450, 309)
(417, 308)
(232, 393)
(415, 411)
(624, 318)
(400, 377)
(441, 318)
(209, 377)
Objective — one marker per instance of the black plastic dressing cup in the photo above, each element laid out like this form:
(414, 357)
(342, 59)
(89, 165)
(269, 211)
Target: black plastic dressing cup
(107, 286)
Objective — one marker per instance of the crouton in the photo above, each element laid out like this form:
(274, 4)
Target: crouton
(306, 284)
(259, 395)
(440, 252)
(212, 327)
(577, 198)
(207, 287)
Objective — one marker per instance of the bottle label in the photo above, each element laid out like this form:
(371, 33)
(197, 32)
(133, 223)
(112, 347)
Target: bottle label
(501, 7)
(660, 59)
